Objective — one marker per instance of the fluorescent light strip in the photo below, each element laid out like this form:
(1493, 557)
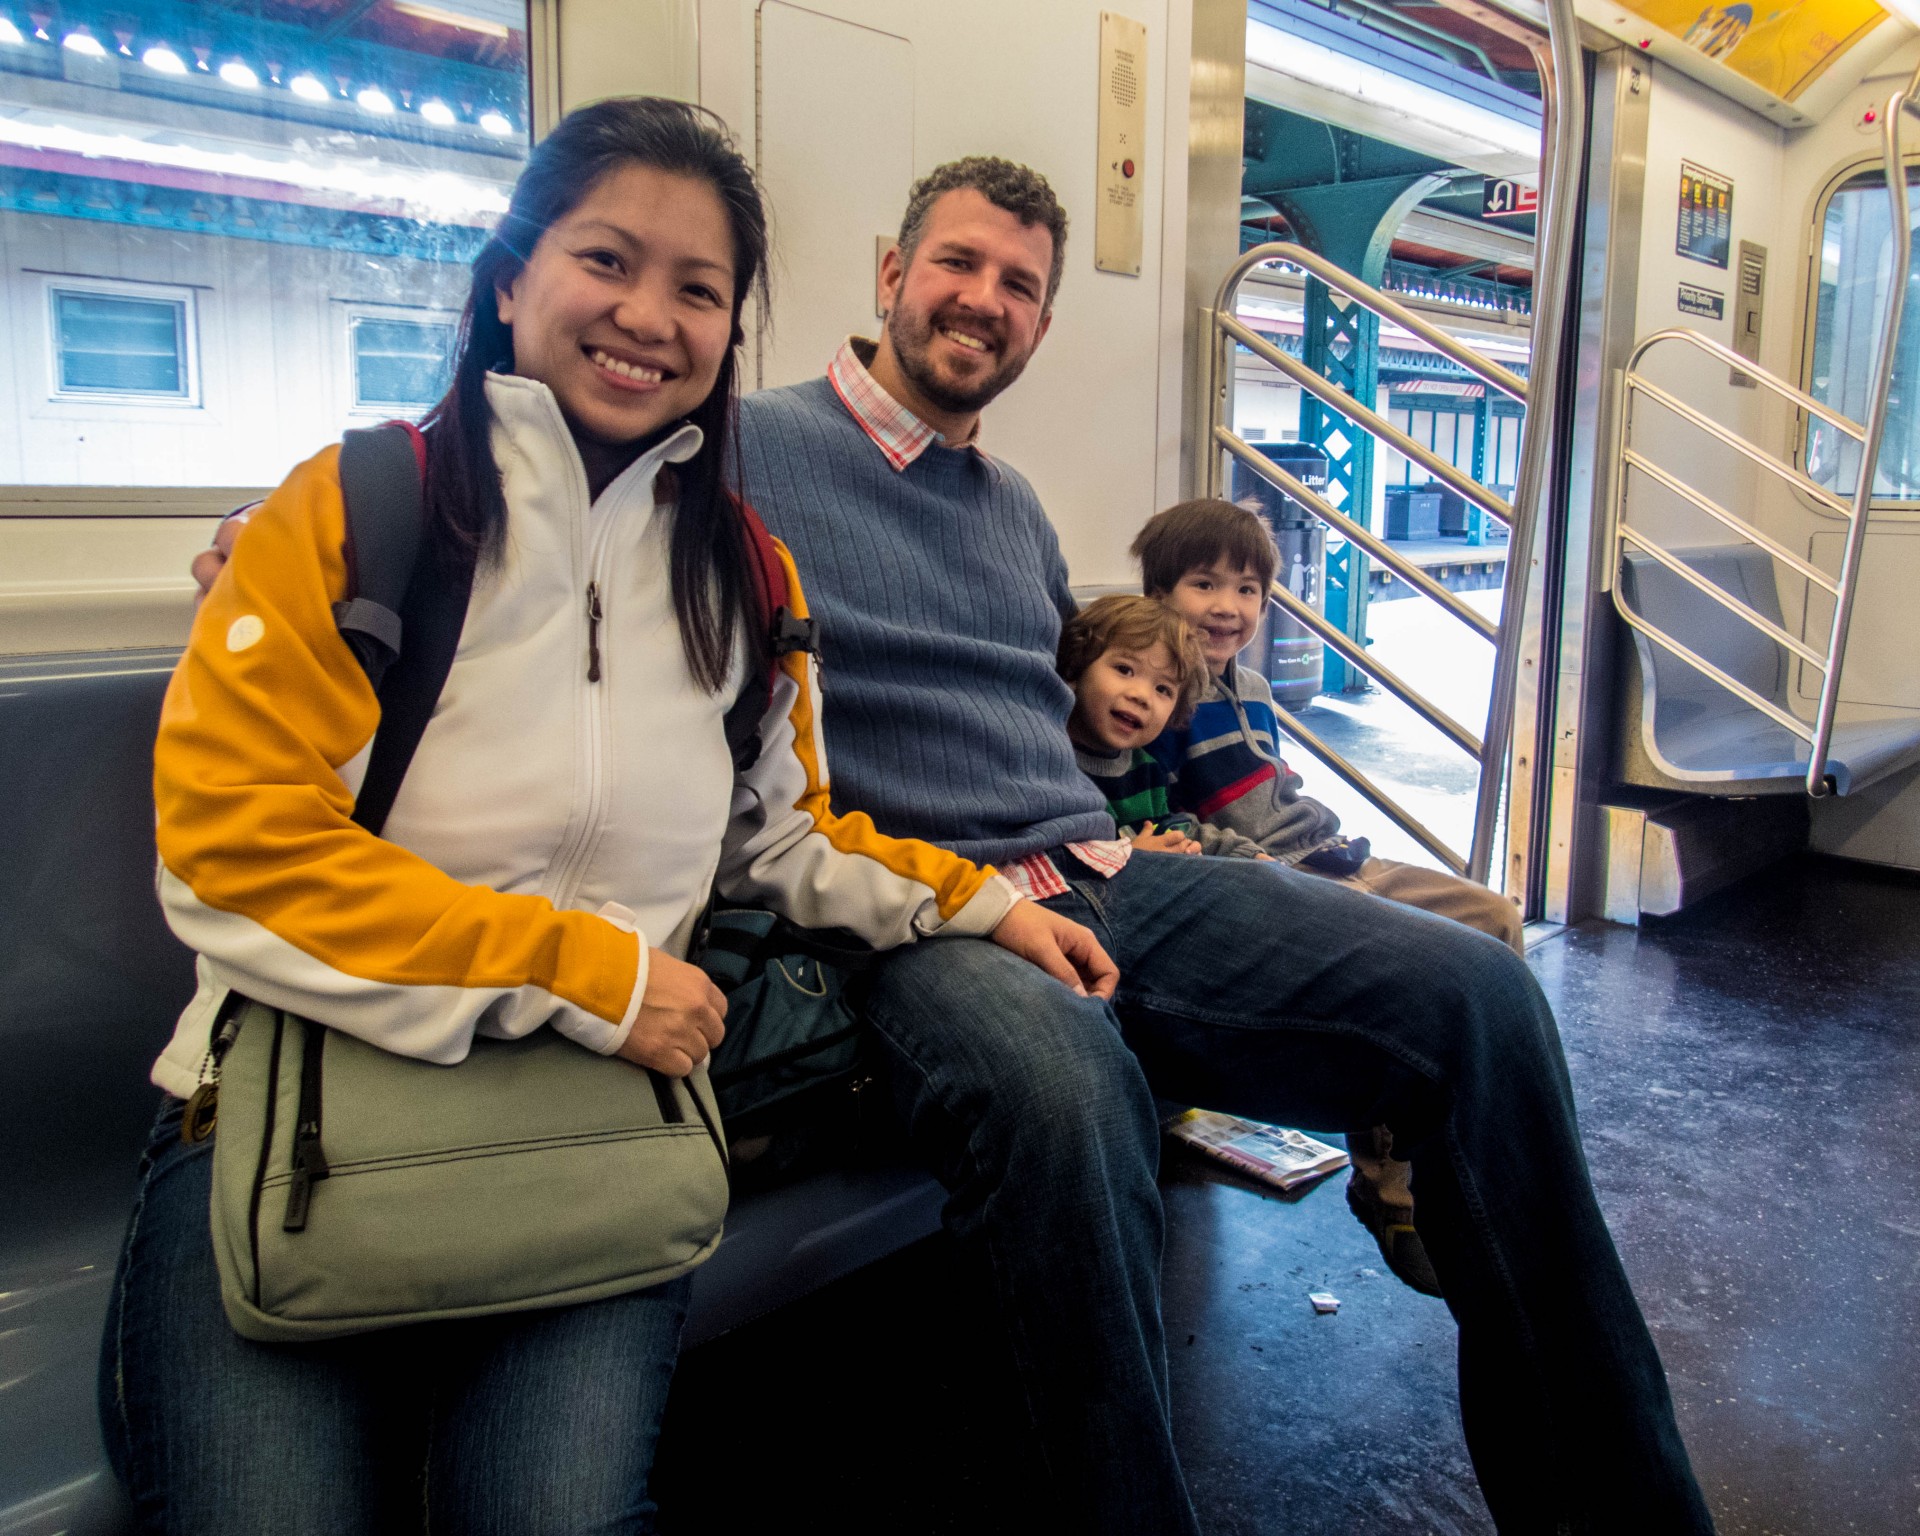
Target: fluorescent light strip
(451, 18)
(1312, 64)
(431, 196)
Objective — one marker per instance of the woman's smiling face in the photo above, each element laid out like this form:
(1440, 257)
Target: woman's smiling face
(625, 308)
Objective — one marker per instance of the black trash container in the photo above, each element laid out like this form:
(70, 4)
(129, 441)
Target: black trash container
(1285, 652)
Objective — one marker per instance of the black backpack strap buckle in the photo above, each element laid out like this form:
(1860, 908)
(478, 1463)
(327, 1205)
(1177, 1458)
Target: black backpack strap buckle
(791, 634)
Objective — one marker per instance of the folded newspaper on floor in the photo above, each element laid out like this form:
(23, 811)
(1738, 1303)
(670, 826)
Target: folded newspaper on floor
(1273, 1154)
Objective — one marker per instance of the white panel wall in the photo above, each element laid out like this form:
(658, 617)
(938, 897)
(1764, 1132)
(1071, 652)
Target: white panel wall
(834, 148)
(1688, 122)
(1094, 423)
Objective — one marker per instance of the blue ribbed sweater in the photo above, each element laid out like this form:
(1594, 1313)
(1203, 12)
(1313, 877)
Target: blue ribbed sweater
(940, 591)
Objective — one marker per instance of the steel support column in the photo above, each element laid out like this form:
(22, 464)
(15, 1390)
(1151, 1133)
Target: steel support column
(1352, 224)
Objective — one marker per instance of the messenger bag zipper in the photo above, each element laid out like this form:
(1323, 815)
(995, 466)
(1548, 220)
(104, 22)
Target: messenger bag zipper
(309, 1162)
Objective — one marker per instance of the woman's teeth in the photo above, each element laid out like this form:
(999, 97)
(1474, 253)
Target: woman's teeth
(628, 370)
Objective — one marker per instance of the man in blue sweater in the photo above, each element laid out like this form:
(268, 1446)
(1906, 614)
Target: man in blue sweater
(1244, 986)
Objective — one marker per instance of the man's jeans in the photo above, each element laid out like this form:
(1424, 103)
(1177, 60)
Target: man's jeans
(1262, 991)
(535, 1424)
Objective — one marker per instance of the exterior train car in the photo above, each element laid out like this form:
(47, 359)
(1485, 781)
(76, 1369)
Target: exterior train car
(1561, 347)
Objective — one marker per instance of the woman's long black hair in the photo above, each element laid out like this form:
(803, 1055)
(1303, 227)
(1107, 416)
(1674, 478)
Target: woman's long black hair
(712, 580)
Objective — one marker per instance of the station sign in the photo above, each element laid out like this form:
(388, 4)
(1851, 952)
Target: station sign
(1500, 199)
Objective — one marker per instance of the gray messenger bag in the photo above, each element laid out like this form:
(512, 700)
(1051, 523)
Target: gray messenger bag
(355, 1189)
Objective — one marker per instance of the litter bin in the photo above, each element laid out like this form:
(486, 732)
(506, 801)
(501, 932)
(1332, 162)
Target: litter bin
(1286, 653)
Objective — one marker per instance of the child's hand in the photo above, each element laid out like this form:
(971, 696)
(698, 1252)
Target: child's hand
(1150, 841)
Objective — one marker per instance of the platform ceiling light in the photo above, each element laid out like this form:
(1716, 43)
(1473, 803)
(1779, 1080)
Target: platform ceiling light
(85, 44)
(451, 18)
(433, 195)
(373, 99)
(437, 112)
(496, 123)
(1313, 65)
(309, 87)
(236, 73)
(9, 33)
(162, 60)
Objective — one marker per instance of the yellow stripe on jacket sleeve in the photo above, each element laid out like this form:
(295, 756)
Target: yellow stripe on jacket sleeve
(881, 881)
(254, 815)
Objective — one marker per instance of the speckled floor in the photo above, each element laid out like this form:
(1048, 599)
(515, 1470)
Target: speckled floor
(1748, 1074)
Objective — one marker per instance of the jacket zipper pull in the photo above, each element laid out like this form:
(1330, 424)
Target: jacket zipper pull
(593, 632)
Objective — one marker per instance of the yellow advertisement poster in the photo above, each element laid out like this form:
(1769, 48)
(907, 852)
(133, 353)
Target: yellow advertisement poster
(1782, 46)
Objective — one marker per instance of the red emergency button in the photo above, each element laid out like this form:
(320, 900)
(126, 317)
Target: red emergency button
(1126, 169)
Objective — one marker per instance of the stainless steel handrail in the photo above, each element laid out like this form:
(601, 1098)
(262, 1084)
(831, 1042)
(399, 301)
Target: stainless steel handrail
(1726, 600)
(1330, 393)
(1563, 129)
(1399, 687)
(1563, 122)
(1638, 384)
(1856, 510)
(1368, 540)
(1899, 104)
(1343, 282)
(1733, 520)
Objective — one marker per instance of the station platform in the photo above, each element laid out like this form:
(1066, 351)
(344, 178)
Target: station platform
(1455, 564)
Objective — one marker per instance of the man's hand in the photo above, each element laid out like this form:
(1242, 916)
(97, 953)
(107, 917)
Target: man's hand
(1149, 841)
(1062, 948)
(208, 564)
(680, 1020)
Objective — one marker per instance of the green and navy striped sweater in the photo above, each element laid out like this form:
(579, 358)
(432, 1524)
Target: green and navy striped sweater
(1136, 789)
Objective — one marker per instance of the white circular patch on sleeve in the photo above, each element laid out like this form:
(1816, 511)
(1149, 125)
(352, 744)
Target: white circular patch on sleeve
(245, 632)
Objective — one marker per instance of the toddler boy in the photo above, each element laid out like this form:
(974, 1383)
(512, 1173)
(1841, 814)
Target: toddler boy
(1135, 666)
(1212, 562)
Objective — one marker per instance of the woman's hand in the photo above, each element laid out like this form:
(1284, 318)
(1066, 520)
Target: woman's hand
(1149, 841)
(1062, 948)
(208, 564)
(681, 1018)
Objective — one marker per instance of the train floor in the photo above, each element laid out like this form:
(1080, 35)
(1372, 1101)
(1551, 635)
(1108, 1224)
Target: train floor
(1749, 1080)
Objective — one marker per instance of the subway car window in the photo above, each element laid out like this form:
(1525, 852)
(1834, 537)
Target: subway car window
(1856, 244)
(231, 231)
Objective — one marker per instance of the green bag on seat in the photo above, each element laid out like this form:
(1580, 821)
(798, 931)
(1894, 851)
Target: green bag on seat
(356, 1189)
(793, 1043)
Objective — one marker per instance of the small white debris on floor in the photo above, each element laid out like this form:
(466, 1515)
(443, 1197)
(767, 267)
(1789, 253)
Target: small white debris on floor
(1324, 1301)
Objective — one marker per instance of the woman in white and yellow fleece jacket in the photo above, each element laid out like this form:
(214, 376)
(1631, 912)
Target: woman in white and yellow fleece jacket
(569, 807)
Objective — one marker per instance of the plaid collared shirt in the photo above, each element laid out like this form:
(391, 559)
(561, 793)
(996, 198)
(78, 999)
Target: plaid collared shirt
(895, 430)
(902, 437)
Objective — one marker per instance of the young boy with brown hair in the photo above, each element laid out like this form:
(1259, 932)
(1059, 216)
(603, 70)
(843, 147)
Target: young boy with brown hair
(1212, 562)
(1135, 667)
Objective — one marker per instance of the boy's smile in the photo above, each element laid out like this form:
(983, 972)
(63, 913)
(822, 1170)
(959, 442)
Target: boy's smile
(1124, 699)
(1223, 605)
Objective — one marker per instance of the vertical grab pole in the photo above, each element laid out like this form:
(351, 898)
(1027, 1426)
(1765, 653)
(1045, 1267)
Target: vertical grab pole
(1898, 275)
(1219, 396)
(1563, 133)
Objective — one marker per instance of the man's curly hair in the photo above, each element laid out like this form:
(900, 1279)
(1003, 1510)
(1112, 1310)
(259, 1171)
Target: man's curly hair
(1016, 189)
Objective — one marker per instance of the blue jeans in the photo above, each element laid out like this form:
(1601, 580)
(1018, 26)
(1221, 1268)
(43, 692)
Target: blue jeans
(535, 1424)
(1263, 991)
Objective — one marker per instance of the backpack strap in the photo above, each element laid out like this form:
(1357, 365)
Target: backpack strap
(786, 635)
(394, 594)
(381, 474)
